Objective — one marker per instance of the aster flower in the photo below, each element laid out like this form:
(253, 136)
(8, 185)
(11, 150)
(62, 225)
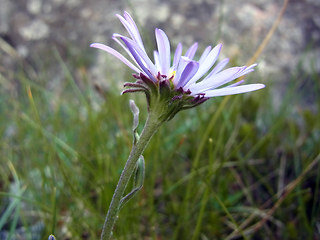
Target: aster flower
(169, 87)
(183, 83)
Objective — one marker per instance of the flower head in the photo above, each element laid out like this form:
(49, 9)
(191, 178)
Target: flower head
(183, 83)
(51, 237)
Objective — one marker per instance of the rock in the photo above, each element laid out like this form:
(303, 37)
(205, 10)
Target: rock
(36, 30)
(34, 6)
(5, 14)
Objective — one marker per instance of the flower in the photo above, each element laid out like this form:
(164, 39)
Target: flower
(185, 82)
(51, 237)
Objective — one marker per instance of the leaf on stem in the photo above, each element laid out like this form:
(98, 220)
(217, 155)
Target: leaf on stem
(137, 181)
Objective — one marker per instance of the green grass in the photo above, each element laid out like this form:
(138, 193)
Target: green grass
(213, 172)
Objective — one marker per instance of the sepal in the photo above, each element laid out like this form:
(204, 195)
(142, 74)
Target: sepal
(163, 98)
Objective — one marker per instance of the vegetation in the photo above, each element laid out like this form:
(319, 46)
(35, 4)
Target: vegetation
(236, 167)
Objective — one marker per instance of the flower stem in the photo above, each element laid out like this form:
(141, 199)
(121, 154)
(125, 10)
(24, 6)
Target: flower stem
(151, 126)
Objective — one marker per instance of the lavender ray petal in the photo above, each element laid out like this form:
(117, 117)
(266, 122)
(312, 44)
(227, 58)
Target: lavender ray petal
(132, 30)
(180, 68)
(235, 84)
(242, 69)
(188, 72)
(164, 51)
(233, 90)
(244, 72)
(218, 67)
(115, 37)
(141, 58)
(247, 70)
(241, 72)
(116, 54)
(207, 64)
(252, 66)
(156, 60)
(205, 54)
(130, 20)
(177, 55)
(215, 81)
(192, 50)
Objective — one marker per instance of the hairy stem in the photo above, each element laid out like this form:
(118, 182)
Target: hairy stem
(151, 126)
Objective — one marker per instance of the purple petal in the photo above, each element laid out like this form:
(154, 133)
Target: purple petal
(247, 70)
(233, 90)
(218, 67)
(132, 29)
(177, 55)
(141, 58)
(115, 37)
(156, 59)
(188, 72)
(205, 54)
(192, 51)
(207, 64)
(182, 64)
(130, 20)
(164, 51)
(235, 84)
(242, 71)
(252, 66)
(116, 54)
(215, 81)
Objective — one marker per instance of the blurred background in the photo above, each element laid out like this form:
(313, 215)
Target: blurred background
(33, 28)
(65, 130)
